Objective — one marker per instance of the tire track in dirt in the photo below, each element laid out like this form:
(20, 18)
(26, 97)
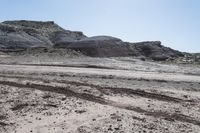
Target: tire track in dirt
(66, 65)
(6, 73)
(98, 72)
(88, 97)
(127, 91)
(115, 90)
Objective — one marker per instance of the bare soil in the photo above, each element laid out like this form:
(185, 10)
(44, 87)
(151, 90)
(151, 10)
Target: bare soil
(95, 95)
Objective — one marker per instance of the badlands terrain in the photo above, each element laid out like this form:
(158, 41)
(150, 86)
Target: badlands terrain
(79, 84)
(84, 94)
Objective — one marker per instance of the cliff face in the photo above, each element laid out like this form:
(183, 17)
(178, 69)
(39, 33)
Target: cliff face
(19, 35)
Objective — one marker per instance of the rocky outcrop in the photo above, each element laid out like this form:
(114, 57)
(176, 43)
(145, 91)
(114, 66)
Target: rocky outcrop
(20, 35)
(23, 34)
(105, 46)
(154, 50)
(99, 46)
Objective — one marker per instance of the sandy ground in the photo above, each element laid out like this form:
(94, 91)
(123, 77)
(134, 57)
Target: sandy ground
(95, 95)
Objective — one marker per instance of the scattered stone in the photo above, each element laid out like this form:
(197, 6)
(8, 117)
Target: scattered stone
(19, 106)
(110, 128)
(80, 111)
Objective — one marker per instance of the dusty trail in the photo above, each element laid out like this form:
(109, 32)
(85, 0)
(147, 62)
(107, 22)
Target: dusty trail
(115, 90)
(104, 72)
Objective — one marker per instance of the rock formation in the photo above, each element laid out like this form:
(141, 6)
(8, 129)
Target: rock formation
(99, 46)
(20, 35)
(155, 50)
(23, 34)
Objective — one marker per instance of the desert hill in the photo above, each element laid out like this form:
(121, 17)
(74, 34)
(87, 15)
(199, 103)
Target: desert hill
(21, 35)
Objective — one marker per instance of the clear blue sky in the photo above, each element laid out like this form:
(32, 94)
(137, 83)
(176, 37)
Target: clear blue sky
(174, 22)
